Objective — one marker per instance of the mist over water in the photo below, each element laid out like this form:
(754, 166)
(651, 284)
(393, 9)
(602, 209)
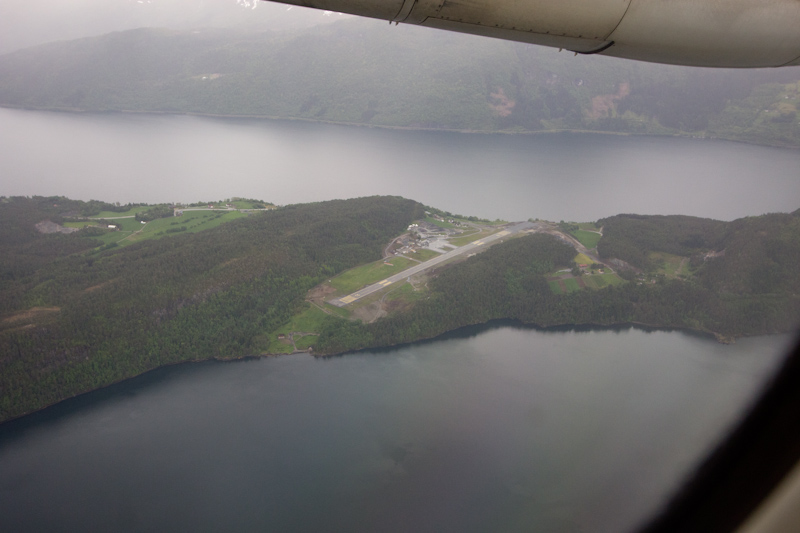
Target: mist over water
(582, 177)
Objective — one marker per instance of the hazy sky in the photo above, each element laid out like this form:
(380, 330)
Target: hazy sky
(24, 23)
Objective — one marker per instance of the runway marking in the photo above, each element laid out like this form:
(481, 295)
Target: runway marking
(345, 300)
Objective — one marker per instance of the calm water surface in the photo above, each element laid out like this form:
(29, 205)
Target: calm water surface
(503, 429)
(582, 177)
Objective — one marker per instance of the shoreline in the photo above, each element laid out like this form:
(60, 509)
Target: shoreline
(468, 330)
(501, 322)
(679, 135)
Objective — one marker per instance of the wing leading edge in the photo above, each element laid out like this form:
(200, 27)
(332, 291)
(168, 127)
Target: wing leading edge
(710, 33)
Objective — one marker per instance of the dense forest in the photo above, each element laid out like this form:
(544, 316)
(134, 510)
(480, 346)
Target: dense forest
(76, 317)
(361, 72)
(752, 256)
(743, 282)
(77, 314)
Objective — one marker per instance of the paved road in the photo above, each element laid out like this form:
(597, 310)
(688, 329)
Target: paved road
(402, 276)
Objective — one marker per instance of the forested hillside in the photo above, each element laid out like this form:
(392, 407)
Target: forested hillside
(742, 281)
(358, 71)
(81, 318)
(748, 256)
(77, 314)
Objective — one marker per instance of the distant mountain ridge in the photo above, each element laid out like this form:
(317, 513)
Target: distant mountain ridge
(354, 71)
(24, 23)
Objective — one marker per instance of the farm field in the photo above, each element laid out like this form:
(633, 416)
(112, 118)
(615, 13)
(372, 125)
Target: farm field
(594, 281)
(599, 281)
(308, 320)
(588, 226)
(572, 284)
(587, 238)
(555, 287)
(130, 230)
(671, 266)
(116, 214)
(189, 222)
(251, 204)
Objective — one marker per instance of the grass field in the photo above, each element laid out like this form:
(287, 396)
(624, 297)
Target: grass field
(587, 226)
(247, 204)
(125, 227)
(341, 312)
(572, 285)
(587, 238)
(555, 287)
(190, 222)
(305, 342)
(406, 293)
(129, 213)
(113, 236)
(440, 223)
(278, 346)
(598, 281)
(670, 265)
(307, 321)
(355, 278)
(422, 255)
(595, 281)
(471, 237)
(81, 224)
(583, 259)
(126, 224)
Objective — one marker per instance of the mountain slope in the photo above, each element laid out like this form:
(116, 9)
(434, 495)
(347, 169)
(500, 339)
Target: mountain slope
(356, 71)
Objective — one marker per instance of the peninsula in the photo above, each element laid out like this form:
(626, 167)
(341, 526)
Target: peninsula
(92, 293)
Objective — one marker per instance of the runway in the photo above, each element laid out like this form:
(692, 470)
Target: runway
(404, 275)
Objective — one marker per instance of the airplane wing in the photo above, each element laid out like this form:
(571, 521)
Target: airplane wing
(710, 33)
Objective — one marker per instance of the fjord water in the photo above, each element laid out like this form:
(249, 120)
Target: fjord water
(581, 177)
(501, 429)
(493, 429)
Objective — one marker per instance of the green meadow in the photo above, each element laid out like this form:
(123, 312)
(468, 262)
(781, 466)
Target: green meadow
(587, 238)
(355, 278)
(671, 266)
